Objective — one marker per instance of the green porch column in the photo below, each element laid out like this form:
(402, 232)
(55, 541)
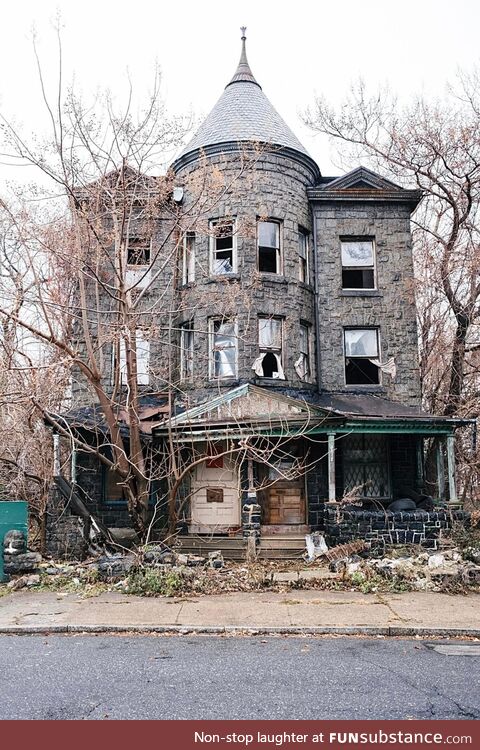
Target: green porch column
(331, 468)
(451, 469)
(419, 478)
(440, 469)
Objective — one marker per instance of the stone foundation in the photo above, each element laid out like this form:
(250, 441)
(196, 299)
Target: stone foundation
(65, 536)
(384, 527)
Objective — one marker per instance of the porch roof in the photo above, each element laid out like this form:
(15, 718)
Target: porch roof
(250, 410)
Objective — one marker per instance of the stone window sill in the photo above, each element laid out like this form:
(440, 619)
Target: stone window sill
(360, 293)
(275, 278)
(364, 389)
(270, 382)
(223, 277)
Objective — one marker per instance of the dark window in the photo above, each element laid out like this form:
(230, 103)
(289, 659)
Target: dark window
(138, 251)
(361, 356)
(358, 265)
(269, 247)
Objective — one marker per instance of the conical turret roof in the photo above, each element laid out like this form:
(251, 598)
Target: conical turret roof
(243, 114)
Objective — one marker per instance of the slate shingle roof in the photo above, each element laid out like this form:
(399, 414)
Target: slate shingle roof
(243, 113)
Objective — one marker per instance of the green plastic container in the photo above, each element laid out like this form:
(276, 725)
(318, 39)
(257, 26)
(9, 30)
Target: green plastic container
(13, 515)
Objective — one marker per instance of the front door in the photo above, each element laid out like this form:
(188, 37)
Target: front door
(284, 503)
(215, 498)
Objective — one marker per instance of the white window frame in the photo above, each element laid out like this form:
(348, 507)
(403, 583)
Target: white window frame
(304, 263)
(138, 274)
(143, 362)
(303, 365)
(279, 249)
(212, 225)
(372, 267)
(212, 350)
(188, 258)
(277, 351)
(187, 334)
(375, 360)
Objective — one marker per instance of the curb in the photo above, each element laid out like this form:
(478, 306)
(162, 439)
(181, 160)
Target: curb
(245, 630)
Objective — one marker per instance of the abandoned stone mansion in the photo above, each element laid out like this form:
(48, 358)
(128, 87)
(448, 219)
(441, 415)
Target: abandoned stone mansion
(293, 391)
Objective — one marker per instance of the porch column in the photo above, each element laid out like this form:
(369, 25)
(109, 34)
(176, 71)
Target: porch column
(331, 468)
(451, 469)
(440, 469)
(56, 454)
(73, 464)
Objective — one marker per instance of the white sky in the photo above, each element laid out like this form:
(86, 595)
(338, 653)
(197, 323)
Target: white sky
(295, 49)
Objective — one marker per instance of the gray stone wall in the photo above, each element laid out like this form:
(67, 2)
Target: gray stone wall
(272, 186)
(391, 307)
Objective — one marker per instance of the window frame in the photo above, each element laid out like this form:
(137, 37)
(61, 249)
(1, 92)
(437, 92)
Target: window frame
(304, 263)
(307, 378)
(278, 250)
(211, 343)
(143, 375)
(278, 351)
(349, 356)
(187, 328)
(344, 239)
(138, 274)
(188, 261)
(212, 224)
(364, 463)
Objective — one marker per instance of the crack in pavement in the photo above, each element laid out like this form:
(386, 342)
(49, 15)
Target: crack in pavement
(390, 608)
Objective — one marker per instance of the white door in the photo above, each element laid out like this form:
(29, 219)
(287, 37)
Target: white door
(215, 500)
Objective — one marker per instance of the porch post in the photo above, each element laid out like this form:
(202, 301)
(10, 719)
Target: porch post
(73, 464)
(451, 468)
(56, 454)
(440, 470)
(331, 468)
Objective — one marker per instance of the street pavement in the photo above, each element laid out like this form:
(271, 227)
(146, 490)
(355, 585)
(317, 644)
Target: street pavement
(226, 677)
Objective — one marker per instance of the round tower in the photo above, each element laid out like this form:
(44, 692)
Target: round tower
(246, 292)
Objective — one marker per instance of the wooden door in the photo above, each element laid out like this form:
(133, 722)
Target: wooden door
(215, 499)
(284, 503)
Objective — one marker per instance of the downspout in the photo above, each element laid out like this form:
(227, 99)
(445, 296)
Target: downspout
(316, 311)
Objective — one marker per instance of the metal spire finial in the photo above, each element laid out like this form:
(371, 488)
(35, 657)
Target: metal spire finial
(243, 72)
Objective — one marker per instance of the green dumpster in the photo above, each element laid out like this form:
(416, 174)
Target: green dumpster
(13, 515)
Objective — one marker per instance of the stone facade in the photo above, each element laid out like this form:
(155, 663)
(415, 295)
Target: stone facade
(390, 307)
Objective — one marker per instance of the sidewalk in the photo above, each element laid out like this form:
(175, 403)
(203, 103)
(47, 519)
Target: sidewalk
(315, 612)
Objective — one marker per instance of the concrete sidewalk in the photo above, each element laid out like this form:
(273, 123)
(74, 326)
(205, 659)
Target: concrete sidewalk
(311, 611)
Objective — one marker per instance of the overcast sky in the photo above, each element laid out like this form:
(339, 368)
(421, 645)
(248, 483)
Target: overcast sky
(295, 49)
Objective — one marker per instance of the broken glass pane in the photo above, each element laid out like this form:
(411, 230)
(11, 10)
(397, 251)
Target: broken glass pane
(357, 253)
(361, 343)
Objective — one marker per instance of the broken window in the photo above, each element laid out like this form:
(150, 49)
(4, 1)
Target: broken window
(188, 258)
(362, 363)
(269, 260)
(365, 465)
(223, 248)
(303, 269)
(186, 350)
(113, 486)
(138, 251)
(302, 364)
(223, 352)
(142, 345)
(269, 362)
(358, 264)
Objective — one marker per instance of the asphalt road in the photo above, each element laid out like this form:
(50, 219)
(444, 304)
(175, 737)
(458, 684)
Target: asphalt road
(184, 677)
